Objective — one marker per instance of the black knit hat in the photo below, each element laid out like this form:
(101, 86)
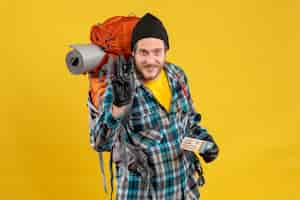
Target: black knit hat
(149, 26)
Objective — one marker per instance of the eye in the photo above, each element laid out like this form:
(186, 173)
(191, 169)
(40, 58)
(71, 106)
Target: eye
(143, 52)
(157, 52)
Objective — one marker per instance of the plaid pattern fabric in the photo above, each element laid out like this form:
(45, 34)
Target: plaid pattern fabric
(159, 133)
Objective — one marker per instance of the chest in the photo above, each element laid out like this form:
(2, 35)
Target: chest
(150, 123)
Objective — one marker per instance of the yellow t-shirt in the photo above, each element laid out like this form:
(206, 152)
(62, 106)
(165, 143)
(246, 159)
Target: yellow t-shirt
(161, 89)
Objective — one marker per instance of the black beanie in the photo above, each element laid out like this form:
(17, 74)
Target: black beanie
(149, 26)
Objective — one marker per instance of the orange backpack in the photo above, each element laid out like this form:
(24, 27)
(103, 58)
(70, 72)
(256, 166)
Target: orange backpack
(114, 37)
(114, 34)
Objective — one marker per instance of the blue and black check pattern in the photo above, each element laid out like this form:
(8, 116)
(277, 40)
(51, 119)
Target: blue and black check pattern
(159, 133)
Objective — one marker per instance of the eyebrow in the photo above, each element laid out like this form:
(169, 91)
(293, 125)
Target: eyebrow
(155, 49)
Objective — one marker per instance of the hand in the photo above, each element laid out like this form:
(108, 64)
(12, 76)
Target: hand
(210, 153)
(207, 149)
(122, 81)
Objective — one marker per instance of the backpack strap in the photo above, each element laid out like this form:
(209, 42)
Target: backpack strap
(101, 163)
(111, 174)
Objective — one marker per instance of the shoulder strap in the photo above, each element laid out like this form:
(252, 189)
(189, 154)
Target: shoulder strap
(101, 163)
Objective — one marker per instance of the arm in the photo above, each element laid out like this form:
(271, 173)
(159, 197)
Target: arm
(113, 87)
(102, 121)
(209, 149)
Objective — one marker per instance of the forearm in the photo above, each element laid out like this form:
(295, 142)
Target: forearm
(206, 146)
(102, 122)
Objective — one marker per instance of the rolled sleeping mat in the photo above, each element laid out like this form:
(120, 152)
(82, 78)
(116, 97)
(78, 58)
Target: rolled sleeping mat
(84, 58)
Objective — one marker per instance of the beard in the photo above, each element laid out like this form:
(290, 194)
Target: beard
(148, 72)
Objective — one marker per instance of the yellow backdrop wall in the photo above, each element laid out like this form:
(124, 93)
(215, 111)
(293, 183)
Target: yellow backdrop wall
(242, 60)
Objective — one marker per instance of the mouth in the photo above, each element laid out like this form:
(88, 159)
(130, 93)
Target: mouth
(150, 68)
(149, 72)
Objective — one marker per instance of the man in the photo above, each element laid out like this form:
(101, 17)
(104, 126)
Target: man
(159, 126)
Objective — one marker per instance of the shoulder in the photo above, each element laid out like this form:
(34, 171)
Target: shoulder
(177, 71)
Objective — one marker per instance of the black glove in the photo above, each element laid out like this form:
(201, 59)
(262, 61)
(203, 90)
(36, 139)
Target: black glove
(210, 151)
(122, 81)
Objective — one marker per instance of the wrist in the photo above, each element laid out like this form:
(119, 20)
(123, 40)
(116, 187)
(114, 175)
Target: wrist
(118, 112)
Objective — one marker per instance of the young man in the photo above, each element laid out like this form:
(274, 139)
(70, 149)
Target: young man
(159, 162)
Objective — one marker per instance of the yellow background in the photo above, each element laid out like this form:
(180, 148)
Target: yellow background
(242, 60)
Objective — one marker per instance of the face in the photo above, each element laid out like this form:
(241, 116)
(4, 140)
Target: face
(149, 56)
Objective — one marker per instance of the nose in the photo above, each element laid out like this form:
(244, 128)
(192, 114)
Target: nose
(151, 60)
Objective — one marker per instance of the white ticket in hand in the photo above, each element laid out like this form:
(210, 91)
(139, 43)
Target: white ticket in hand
(195, 145)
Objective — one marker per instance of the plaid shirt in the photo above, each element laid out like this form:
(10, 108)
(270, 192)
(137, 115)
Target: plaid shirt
(159, 133)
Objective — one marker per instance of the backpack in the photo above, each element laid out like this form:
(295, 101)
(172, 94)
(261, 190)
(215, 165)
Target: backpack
(114, 37)
(114, 34)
